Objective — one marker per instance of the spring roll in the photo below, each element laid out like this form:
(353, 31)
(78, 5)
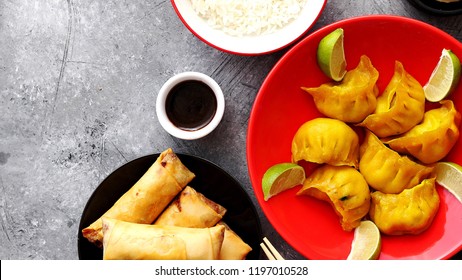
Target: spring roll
(233, 247)
(124, 240)
(148, 197)
(191, 209)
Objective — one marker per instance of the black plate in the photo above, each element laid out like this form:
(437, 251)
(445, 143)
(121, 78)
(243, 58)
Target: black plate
(438, 7)
(210, 180)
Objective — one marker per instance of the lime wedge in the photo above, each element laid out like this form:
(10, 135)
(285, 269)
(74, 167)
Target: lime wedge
(331, 55)
(449, 176)
(444, 78)
(367, 242)
(280, 177)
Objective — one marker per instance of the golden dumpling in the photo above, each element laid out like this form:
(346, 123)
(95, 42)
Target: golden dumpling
(325, 140)
(344, 188)
(387, 171)
(431, 140)
(409, 212)
(399, 108)
(351, 100)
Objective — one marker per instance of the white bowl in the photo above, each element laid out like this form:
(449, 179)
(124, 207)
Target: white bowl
(162, 113)
(249, 45)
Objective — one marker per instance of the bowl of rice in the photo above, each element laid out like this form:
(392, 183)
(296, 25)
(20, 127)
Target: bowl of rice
(248, 27)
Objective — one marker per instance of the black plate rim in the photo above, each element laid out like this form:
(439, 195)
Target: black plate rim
(180, 155)
(439, 8)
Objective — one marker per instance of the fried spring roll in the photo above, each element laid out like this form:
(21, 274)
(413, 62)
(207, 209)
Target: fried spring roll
(233, 248)
(191, 209)
(148, 197)
(124, 240)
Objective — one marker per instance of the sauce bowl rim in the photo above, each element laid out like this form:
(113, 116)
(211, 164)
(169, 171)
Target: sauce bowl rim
(162, 97)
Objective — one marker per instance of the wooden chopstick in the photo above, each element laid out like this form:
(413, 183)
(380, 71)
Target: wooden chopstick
(269, 250)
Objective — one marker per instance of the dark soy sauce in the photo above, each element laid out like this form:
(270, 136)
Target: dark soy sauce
(191, 105)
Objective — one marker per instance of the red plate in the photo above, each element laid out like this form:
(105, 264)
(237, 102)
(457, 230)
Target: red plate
(309, 225)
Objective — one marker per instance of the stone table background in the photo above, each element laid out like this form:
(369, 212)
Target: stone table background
(78, 82)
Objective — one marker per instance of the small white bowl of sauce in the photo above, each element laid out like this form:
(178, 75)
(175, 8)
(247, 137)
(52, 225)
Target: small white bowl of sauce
(190, 105)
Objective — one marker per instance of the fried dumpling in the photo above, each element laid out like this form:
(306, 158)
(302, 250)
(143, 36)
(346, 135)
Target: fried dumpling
(325, 140)
(351, 100)
(409, 212)
(387, 171)
(399, 108)
(433, 139)
(344, 188)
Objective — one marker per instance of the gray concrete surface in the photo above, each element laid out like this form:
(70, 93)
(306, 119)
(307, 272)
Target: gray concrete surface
(78, 81)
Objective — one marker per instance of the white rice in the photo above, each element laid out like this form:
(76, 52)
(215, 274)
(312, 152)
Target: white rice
(248, 17)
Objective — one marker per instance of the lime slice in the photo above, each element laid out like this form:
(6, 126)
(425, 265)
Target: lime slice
(449, 176)
(331, 56)
(281, 177)
(444, 78)
(367, 242)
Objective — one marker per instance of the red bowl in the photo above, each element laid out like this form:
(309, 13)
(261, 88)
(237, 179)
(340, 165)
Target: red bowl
(309, 225)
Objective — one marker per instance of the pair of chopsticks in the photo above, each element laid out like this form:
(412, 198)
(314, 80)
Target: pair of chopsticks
(269, 250)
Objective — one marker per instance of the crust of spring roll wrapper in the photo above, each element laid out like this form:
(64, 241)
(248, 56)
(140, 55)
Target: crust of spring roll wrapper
(233, 247)
(148, 197)
(125, 240)
(191, 209)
